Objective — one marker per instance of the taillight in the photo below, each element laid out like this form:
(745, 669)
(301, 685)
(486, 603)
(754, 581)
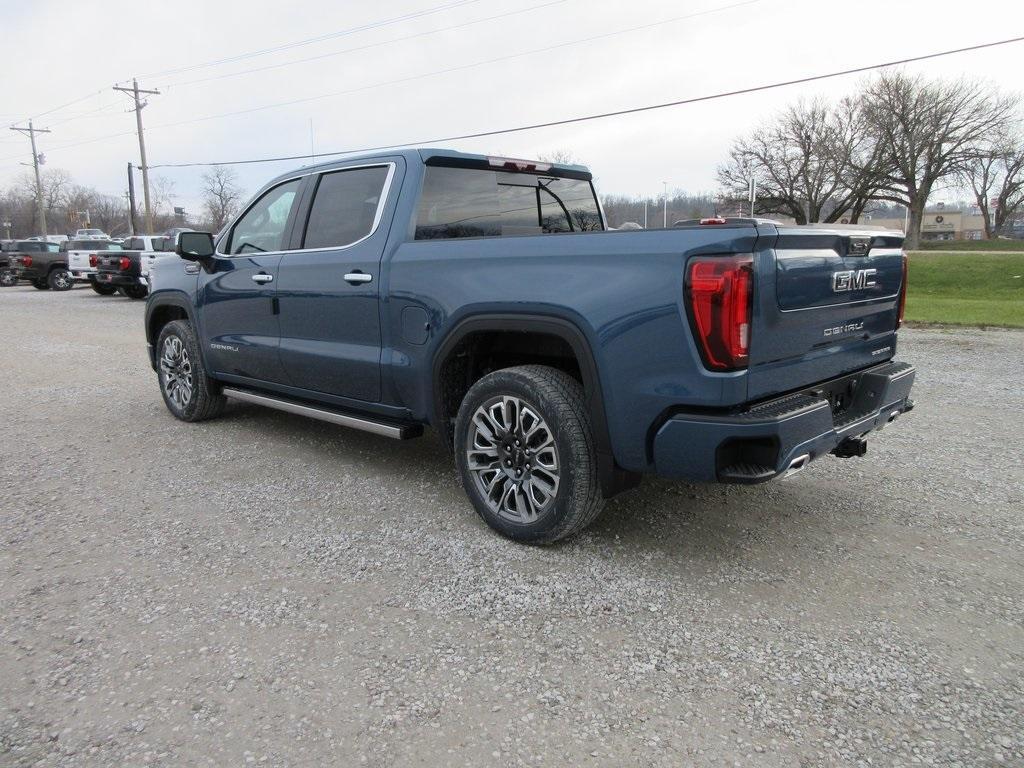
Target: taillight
(903, 294)
(26, 261)
(93, 261)
(721, 303)
(712, 220)
(126, 263)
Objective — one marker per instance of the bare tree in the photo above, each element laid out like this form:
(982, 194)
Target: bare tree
(560, 157)
(55, 183)
(803, 164)
(222, 196)
(925, 132)
(996, 176)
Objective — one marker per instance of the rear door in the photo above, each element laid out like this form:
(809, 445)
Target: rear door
(827, 305)
(329, 287)
(238, 292)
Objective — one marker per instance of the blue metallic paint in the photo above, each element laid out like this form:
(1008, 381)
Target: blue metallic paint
(622, 292)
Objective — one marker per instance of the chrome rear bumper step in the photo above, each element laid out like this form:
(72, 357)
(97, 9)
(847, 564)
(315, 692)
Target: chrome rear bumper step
(366, 424)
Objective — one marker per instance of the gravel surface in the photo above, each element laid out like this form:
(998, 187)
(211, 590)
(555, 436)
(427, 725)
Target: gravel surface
(263, 589)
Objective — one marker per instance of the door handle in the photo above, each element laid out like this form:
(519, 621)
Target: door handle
(262, 277)
(358, 277)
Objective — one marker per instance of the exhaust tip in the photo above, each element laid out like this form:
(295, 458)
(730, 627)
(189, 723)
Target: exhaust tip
(796, 465)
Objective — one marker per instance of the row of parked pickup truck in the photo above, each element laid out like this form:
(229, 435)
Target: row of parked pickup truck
(107, 266)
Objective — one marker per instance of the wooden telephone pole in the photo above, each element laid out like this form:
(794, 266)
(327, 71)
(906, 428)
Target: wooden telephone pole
(40, 207)
(135, 91)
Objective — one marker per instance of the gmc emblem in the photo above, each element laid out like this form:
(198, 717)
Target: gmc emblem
(853, 279)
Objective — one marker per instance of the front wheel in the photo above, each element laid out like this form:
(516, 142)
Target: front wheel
(188, 392)
(525, 452)
(60, 280)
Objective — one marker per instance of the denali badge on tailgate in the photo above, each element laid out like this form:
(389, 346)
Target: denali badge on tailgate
(853, 279)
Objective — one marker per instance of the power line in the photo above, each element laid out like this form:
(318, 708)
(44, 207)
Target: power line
(421, 76)
(463, 67)
(617, 113)
(274, 49)
(318, 39)
(368, 46)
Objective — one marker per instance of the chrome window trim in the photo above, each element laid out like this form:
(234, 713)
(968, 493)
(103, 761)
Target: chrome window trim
(381, 203)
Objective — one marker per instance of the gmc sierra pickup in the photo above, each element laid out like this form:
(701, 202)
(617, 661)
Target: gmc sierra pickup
(559, 361)
(41, 263)
(128, 271)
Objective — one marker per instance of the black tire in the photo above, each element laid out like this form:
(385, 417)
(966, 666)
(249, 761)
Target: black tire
(41, 285)
(204, 399)
(8, 279)
(136, 292)
(103, 290)
(60, 280)
(558, 400)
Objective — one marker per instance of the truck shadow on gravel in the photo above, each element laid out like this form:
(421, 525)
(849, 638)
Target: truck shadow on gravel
(677, 518)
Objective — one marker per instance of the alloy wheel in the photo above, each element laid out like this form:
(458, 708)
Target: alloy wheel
(176, 372)
(512, 457)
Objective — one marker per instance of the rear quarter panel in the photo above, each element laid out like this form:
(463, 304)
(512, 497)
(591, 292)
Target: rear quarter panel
(622, 290)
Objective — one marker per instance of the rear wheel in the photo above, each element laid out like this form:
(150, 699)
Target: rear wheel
(8, 279)
(60, 280)
(136, 291)
(525, 452)
(188, 392)
(103, 290)
(41, 285)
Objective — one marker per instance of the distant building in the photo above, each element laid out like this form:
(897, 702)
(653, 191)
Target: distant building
(939, 224)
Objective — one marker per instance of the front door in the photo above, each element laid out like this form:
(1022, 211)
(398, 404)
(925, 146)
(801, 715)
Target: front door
(238, 291)
(329, 288)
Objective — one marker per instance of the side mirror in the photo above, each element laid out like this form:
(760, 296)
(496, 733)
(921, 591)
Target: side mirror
(195, 246)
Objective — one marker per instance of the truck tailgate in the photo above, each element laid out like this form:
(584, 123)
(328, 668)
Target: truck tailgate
(827, 304)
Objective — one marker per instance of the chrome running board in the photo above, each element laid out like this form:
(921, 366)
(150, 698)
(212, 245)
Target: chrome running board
(387, 429)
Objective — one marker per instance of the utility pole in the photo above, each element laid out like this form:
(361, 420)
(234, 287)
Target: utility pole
(665, 223)
(133, 224)
(139, 104)
(31, 133)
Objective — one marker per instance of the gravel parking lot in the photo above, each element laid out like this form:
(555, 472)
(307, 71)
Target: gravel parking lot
(266, 589)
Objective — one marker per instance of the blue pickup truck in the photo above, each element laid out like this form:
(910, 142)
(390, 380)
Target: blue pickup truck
(559, 360)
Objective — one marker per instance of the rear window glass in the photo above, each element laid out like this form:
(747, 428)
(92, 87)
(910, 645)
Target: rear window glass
(94, 245)
(37, 246)
(345, 207)
(465, 202)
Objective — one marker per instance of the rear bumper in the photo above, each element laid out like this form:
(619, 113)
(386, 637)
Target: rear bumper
(771, 438)
(118, 279)
(82, 274)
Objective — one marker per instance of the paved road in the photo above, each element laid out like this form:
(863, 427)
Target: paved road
(264, 589)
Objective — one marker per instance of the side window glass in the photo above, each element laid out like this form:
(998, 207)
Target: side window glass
(344, 207)
(457, 202)
(262, 228)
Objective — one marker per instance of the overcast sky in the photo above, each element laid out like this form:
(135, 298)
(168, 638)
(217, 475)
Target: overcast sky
(402, 80)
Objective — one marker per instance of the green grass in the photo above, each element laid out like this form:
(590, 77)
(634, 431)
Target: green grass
(972, 246)
(966, 289)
